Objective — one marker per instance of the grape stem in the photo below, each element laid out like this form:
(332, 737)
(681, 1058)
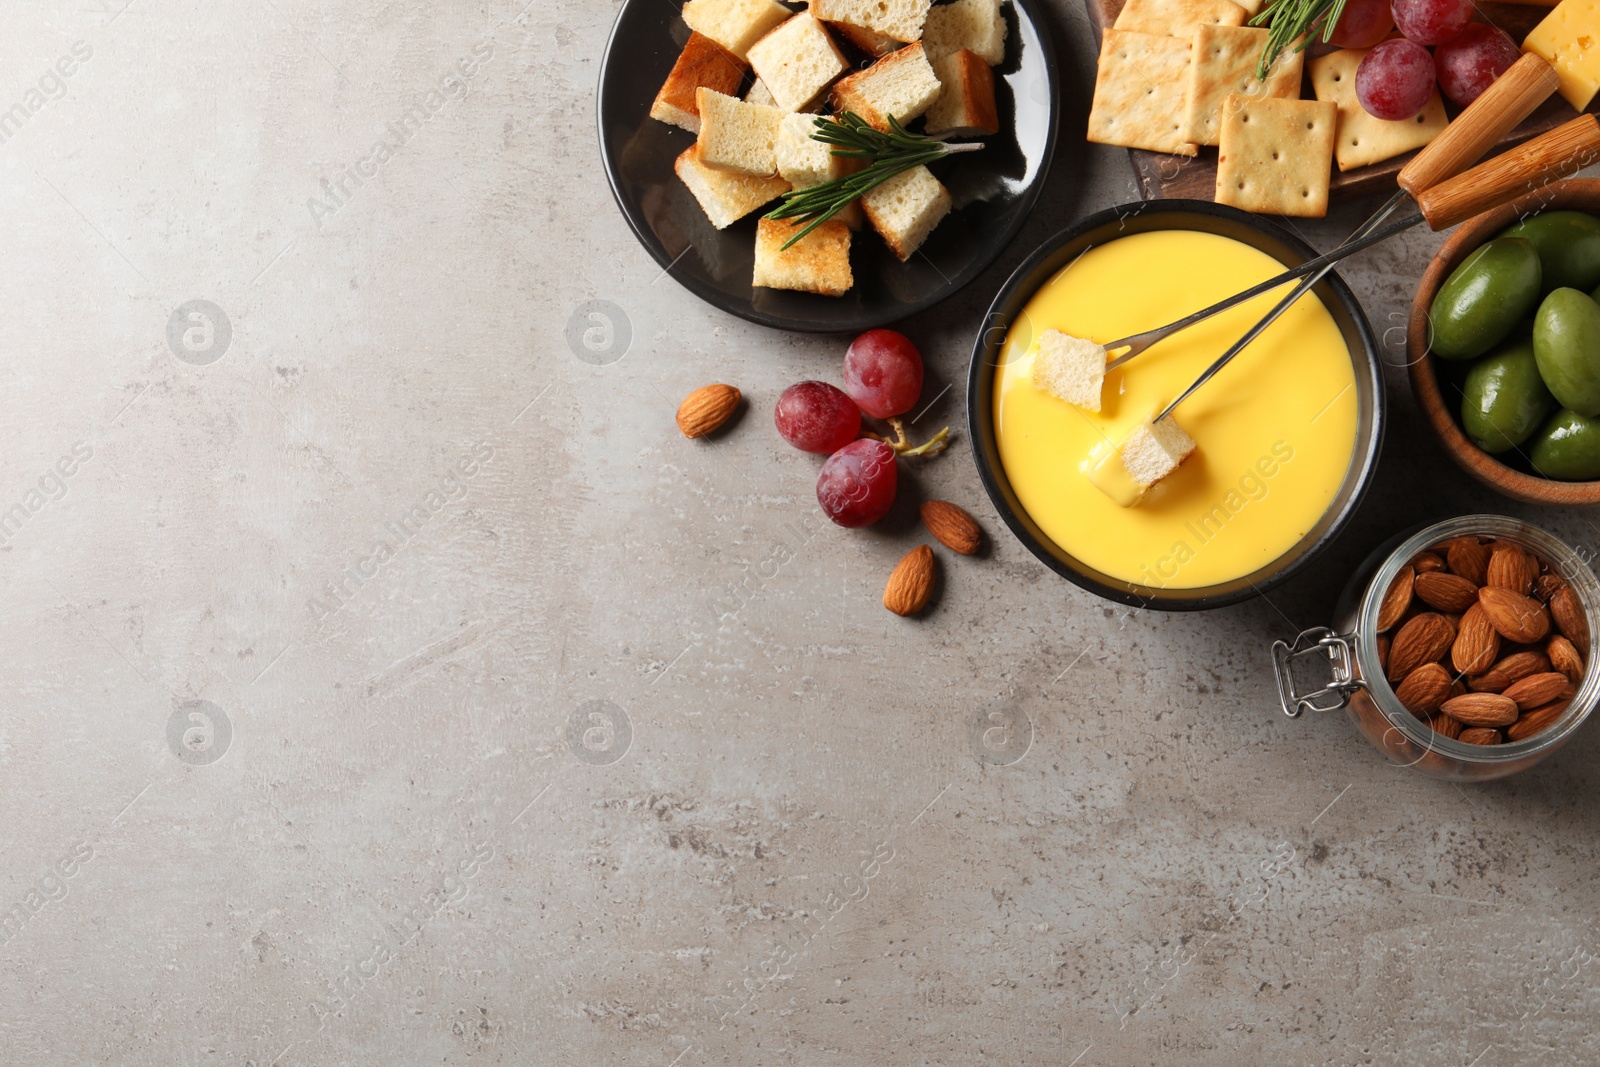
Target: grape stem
(902, 444)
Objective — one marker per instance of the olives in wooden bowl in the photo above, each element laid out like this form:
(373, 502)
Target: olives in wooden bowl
(1504, 345)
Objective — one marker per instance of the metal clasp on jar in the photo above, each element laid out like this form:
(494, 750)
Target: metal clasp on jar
(1337, 649)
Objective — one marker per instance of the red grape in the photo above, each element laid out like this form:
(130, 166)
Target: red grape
(857, 483)
(883, 373)
(1363, 24)
(1395, 80)
(817, 417)
(1470, 62)
(1431, 21)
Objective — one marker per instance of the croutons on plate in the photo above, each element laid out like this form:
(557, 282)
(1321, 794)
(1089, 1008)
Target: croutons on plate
(725, 197)
(738, 136)
(900, 19)
(966, 103)
(734, 24)
(797, 62)
(818, 263)
(901, 84)
(906, 208)
(703, 63)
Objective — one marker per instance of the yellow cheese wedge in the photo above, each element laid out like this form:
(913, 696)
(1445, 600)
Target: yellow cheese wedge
(1569, 39)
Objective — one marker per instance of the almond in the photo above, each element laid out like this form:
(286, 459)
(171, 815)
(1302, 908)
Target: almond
(1490, 681)
(1424, 689)
(1383, 653)
(1458, 688)
(1481, 709)
(951, 526)
(1479, 735)
(1444, 724)
(1511, 568)
(1519, 665)
(706, 409)
(1477, 643)
(1565, 658)
(1424, 639)
(1531, 722)
(1469, 559)
(1518, 618)
(1427, 561)
(1546, 585)
(1536, 690)
(911, 583)
(1569, 617)
(1447, 592)
(1396, 599)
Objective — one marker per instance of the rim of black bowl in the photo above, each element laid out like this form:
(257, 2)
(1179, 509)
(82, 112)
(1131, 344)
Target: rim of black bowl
(713, 296)
(1143, 217)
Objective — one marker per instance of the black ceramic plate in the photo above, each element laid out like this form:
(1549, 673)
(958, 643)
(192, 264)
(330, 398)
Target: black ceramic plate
(1107, 226)
(993, 190)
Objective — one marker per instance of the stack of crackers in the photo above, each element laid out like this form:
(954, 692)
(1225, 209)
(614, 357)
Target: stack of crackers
(1176, 75)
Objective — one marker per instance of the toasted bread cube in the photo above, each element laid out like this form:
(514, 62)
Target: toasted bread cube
(1070, 368)
(758, 93)
(703, 63)
(900, 19)
(966, 103)
(906, 208)
(871, 42)
(819, 263)
(734, 24)
(975, 25)
(804, 161)
(797, 61)
(1148, 454)
(737, 136)
(901, 84)
(725, 198)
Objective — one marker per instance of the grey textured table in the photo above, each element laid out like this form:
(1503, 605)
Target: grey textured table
(373, 694)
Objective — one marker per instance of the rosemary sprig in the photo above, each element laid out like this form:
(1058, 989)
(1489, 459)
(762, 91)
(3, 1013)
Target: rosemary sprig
(1289, 20)
(888, 154)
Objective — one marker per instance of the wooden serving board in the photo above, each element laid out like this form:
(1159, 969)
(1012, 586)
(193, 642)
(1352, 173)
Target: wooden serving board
(1167, 177)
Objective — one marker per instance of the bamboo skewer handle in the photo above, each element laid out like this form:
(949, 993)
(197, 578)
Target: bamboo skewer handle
(1565, 150)
(1513, 97)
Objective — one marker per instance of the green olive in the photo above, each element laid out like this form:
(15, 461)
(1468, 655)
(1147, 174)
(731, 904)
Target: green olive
(1478, 306)
(1503, 399)
(1568, 448)
(1566, 342)
(1568, 243)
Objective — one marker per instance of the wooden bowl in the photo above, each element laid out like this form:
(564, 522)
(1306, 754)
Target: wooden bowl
(1578, 194)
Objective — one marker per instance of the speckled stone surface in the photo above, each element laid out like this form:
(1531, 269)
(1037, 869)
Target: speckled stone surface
(388, 682)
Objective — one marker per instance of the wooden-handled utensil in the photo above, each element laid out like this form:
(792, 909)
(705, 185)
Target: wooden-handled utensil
(1513, 97)
(1563, 151)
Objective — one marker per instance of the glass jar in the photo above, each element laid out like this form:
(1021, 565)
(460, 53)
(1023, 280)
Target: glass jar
(1358, 685)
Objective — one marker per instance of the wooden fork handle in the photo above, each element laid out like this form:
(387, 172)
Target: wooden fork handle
(1565, 150)
(1512, 98)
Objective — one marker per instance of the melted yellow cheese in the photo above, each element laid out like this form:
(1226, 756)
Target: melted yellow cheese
(1275, 430)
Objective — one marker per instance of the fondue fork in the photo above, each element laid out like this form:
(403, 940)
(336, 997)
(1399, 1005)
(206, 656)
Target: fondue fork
(1563, 151)
(1512, 98)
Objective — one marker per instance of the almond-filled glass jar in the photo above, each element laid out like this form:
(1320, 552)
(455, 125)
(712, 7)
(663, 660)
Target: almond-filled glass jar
(1465, 663)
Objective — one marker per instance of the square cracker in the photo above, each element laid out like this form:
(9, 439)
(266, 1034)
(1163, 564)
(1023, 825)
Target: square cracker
(1178, 18)
(1276, 156)
(1225, 60)
(1138, 92)
(1363, 139)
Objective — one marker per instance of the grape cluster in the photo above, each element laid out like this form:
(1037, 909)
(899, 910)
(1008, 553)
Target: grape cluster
(882, 379)
(1396, 78)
